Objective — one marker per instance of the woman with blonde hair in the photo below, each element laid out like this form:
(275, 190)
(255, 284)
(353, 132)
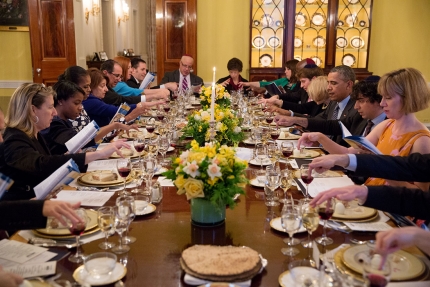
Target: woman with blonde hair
(404, 92)
(24, 155)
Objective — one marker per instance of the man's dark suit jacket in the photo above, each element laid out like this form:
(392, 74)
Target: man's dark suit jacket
(174, 77)
(134, 83)
(299, 96)
(311, 109)
(22, 214)
(113, 98)
(318, 123)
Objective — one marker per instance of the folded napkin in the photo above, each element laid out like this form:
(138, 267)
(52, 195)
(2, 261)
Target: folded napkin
(191, 280)
(164, 181)
(244, 153)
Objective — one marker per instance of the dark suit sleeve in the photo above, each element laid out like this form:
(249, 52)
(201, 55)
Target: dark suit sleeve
(115, 99)
(414, 167)
(22, 214)
(309, 108)
(401, 200)
(293, 97)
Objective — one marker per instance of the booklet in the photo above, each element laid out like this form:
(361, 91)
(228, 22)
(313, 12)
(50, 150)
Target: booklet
(61, 177)
(148, 79)
(273, 89)
(5, 183)
(363, 143)
(122, 111)
(83, 137)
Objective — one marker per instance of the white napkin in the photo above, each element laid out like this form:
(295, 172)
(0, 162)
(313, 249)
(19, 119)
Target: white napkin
(27, 234)
(409, 284)
(244, 153)
(164, 181)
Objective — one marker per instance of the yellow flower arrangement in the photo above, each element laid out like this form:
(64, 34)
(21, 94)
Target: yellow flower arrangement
(222, 97)
(212, 172)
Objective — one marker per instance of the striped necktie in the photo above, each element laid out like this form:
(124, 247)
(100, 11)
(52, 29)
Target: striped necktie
(335, 113)
(184, 84)
(368, 128)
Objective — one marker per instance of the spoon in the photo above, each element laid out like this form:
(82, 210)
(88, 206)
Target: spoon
(356, 241)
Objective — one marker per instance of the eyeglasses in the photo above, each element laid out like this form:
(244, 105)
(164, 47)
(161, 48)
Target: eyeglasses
(119, 76)
(186, 66)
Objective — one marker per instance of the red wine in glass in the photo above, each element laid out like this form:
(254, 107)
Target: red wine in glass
(269, 120)
(325, 213)
(150, 129)
(139, 147)
(376, 280)
(307, 179)
(166, 108)
(160, 117)
(77, 230)
(274, 136)
(287, 153)
(124, 171)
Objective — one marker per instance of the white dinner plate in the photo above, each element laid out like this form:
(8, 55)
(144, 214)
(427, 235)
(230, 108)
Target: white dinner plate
(150, 208)
(319, 42)
(286, 280)
(348, 60)
(250, 141)
(341, 42)
(318, 19)
(350, 19)
(274, 42)
(276, 224)
(258, 42)
(264, 162)
(83, 277)
(317, 60)
(256, 183)
(297, 42)
(357, 42)
(265, 60)
(300, 19)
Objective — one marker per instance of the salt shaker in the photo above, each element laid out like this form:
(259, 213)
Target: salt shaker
(157, 193)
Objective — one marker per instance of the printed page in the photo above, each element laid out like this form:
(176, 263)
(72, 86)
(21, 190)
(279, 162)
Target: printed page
(82, 138)
(87, 198)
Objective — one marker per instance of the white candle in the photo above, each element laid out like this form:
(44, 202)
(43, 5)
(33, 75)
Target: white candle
(213, 78)
(213, 100)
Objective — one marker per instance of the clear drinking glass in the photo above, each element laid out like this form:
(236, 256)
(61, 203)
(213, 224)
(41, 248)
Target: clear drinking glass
(106, 220)
(123, 165)
(132, 214)
(77, 230)
(272, 183)
(286, 182)
(163, 146)
(122, 211)
(307, 177)
(325, 211)
(310, 220)
(261, 153)
(291, 220)
(376, 270)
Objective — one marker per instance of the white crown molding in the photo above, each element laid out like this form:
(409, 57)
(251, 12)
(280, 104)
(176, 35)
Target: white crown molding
(12, 84)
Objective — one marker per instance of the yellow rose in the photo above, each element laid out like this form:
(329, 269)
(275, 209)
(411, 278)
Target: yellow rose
(211, 182)
(193, 188)
(179, 183)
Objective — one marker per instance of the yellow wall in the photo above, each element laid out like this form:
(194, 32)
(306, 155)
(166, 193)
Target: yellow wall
(222, 33)
(401, 38)
(15, 61)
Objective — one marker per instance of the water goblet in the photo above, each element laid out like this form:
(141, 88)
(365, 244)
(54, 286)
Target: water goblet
(310, 219)
(122, 211)
(132, 214)
(106, 220)
(123, 165)
(77, 230)
(261, 153)
(163, 146)
(325, 211)
(272, 183)
(286, 182)
(272, 149)
(307, 177)
(152, 147)
(291, 220)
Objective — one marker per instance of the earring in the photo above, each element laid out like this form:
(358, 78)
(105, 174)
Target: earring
(37, 119)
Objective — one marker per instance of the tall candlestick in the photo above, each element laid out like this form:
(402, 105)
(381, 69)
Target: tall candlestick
(213, 78)
(213, 100)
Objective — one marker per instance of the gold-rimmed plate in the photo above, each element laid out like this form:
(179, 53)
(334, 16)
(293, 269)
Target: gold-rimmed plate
(356, 220)
(289, 136)
(132, 153)
(404, 266)
(83, 277)
(308, 153)
(92, 223)
(276, 224)
(87, 179)
(150, 208)
(356, 212)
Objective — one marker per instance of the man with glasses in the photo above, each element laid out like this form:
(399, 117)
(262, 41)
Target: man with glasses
(113, 71)
(183, 76)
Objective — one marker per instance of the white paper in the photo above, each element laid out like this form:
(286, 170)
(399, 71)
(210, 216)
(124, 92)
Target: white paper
(82, 138)
(146, 81)
(164, 181)
(368, 226)
(106, 164)
(322, 184)
(244, 153)
(33, 270)
(41, 258)
(316, 254)
(19, 252)
(87, 198)
(345, 131)
(293, 163)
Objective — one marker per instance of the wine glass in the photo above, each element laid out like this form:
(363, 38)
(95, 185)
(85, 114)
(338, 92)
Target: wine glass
(325, 211)
(152, 146)
(150, 125)
(160, 115)
(166, 107)
(307, 177)
(123, 165)
(374, 272)
(260, 152)
(77, 230)
(272, 183)
(291, 220)
(287, 149)
(286, 182)
(106, 220)
(269, 117)
(272, 151)
(122, 211)
(149, 167)
(163, 146)
(130, 200)
(310, 220)
(274, 133)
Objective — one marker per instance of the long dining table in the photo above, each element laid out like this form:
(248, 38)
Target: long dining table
(153, 259)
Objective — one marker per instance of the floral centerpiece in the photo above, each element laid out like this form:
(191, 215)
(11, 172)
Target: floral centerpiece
(227, 127)
(211, 172)
(222, 97)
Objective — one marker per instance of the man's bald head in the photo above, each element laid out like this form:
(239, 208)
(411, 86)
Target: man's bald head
(186, 65)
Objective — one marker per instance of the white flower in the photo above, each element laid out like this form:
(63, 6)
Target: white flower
(237, 130)
(184, 155)
(214, 171)
(197, 118)
(204, 114)
(218, 126)
(192, 169)
(221, 114)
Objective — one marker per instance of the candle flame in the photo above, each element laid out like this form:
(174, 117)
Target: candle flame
(214, 69)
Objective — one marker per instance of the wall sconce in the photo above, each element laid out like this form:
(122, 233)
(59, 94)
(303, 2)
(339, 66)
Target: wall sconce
(122, 10)
(91, 6)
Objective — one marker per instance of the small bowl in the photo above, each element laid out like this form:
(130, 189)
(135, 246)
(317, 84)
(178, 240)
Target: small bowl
(304, 272)
(100, 264)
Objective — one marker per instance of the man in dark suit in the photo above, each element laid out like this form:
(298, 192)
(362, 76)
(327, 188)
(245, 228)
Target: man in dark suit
(340, 83)
(138, 73)
(183, 75)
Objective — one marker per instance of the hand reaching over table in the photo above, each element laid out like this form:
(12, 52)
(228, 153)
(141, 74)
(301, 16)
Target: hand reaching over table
(58, 209)
(8, 279)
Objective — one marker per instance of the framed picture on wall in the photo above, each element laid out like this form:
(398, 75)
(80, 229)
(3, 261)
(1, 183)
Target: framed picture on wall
(103, 56)
(14, 13)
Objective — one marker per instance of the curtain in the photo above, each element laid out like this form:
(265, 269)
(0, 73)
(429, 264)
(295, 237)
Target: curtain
(152, 40)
